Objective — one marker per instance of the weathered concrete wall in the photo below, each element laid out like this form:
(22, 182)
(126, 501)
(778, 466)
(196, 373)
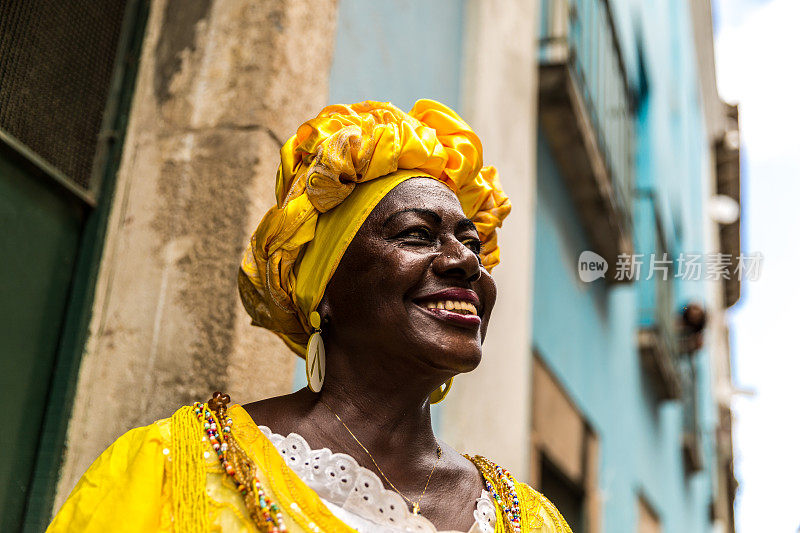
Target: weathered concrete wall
(488, 410)
(222, 83)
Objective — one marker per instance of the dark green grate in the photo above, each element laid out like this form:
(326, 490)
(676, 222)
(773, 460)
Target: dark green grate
(56, 64)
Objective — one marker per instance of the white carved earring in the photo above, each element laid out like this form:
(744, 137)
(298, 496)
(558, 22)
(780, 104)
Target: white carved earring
(315, 355)
(439, 394)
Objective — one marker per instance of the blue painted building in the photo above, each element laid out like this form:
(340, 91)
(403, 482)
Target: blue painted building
(624, 419)
(618, 347)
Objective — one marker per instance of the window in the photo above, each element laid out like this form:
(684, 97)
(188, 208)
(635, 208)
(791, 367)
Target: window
(565, 495)
(565, 453)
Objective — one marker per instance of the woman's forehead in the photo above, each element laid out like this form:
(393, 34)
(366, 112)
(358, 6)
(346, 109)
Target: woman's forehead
(424, 193)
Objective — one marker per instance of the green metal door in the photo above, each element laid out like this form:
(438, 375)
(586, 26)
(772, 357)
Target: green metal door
(66, 77)
(41, 232)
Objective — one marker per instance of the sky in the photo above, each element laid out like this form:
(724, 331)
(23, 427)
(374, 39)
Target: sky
(757, 43)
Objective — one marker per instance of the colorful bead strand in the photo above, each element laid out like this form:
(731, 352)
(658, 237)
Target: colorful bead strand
(268, 510)
(503, 490)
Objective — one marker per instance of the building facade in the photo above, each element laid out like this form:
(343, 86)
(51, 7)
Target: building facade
(603, 120)
(627, 164)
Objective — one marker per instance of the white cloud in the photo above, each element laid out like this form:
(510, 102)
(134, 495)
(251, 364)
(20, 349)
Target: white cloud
(757, 65)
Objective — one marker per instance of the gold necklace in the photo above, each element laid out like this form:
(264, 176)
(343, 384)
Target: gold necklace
(414, 505)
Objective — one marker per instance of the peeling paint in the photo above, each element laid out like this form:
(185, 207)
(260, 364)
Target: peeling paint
(177, 33)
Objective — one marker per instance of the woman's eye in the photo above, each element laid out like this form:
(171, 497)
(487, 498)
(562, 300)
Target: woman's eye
(420, 234)
(474, 245)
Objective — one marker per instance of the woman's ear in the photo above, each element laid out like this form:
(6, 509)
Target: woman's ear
(324, 310)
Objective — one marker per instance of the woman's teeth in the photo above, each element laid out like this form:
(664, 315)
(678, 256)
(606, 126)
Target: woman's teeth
(456, 306)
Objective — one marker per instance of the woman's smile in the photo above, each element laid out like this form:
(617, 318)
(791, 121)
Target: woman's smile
(455, 305)
(455, 317)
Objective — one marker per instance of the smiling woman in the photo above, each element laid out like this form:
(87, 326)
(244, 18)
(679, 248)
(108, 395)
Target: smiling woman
(393, 298)
(374, 266)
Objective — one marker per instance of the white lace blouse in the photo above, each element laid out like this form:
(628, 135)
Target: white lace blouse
(356, 494)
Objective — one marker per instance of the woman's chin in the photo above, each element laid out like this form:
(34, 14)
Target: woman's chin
(457, 361)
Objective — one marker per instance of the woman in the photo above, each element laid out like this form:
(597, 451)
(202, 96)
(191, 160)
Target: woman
(373, 266)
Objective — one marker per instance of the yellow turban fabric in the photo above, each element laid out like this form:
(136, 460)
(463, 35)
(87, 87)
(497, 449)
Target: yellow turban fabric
(333, 172)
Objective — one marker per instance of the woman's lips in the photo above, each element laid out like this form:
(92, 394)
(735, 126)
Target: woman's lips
(454, 297)
(458, 319)
(457, 306)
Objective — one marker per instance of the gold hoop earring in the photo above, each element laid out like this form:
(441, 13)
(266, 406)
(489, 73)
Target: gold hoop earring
(439, 394)
(315, 355)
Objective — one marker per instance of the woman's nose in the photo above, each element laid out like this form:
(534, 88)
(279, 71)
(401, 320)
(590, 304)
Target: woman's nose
(456, 260)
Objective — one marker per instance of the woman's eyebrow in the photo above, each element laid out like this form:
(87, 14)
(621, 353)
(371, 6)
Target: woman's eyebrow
(465, 223)
(427, 213)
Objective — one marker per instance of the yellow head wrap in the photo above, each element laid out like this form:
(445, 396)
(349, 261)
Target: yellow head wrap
(327, 185)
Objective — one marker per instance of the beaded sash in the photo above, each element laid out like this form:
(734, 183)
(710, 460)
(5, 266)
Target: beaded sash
(266, 515)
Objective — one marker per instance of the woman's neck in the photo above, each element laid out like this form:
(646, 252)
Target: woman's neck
(382, 400)
(383, 420)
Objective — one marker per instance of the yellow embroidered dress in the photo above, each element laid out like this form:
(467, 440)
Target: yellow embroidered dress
(166, 477)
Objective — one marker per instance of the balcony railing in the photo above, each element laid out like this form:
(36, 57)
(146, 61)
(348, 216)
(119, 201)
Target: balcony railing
(659, 344)
(586, 112)
(692, 456)
(659, 351)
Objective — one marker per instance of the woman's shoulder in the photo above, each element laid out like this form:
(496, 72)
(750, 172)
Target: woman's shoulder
(281, 413)
(536, 512)
(183, 427)
(143, 445)
(128, 475)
